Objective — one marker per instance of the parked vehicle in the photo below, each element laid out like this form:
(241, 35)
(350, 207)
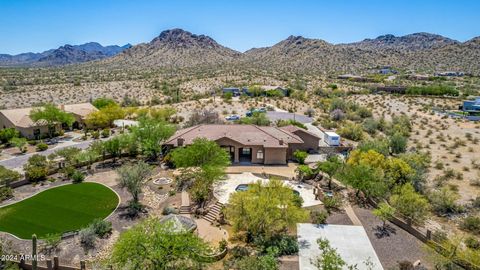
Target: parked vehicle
(232, 117)
(257, 110)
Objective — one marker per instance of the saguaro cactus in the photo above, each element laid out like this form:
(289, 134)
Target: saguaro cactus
(34, 252)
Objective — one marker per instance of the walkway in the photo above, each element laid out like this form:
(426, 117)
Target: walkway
(352, 216)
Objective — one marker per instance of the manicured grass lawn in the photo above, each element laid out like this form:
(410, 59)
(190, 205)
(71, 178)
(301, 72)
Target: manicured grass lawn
(58, 210)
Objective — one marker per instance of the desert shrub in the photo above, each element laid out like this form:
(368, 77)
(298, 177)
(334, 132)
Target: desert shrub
(5, 193)
(352, 131)
(36, 168)
(472, 243)
(42, 147)
(87, 238)
(443, 201)
(77, 177)
(319, 217)
(300, 156)
(471, 224)
(101, 227)
(281, 244)
(370, 126)
(332, 202)
(476, 202)
(7, 176)
(434, 90)
(304, 172)
(398, 143)
(105, 133)
(337, 115)
(95, 134)
(282, 123)
(167, 210)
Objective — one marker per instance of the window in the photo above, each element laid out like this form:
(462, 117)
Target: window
(246, 151)
(260, 154)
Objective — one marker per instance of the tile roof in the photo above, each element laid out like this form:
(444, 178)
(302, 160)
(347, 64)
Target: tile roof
(81, 109)
(293, 129)
(268, 137)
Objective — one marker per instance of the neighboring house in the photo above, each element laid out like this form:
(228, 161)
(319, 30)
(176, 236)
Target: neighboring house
(249, 143)
(20, 119)
(80, 112)
(471, 106)
(233, 90)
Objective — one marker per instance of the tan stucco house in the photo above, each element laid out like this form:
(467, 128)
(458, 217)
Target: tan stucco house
(250, 143)
(21, 121)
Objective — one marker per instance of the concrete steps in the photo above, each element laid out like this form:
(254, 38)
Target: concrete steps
(214, 212)
(184, 209)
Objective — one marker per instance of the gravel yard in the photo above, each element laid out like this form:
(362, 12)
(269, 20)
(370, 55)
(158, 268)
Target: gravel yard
(398, 246)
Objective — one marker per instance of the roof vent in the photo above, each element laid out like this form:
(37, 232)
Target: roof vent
(280, 141)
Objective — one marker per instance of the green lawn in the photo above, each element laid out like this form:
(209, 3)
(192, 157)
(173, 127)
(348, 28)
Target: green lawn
(58, 210)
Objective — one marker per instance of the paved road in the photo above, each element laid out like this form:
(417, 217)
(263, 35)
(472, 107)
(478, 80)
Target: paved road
(277, 115)
(18, 161)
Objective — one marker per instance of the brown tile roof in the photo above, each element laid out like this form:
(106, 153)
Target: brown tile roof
(81, 109)
(293, 129)
(268, 137)
(21, 117)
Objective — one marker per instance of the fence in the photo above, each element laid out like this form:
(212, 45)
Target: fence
(50, 265)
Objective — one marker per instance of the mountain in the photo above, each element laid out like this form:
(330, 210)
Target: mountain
(175, 48)
(411, 42)
(67, 54)
(419, 51)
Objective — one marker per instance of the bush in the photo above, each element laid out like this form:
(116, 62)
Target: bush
(398, 143)
(95, 134)
(472, 224)
(77, 177)
(300, 156)
(87, 238)
(304, 172)
(279, 245)
(36, 168)
(472, 243)
(7, 176)
(5, 193)
(319, 217)
(101, 227)
(352, 131)
(105, 133)
(42, 147)
(167, 210)
(332, 202)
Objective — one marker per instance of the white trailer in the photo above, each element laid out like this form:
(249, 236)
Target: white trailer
(331, 138)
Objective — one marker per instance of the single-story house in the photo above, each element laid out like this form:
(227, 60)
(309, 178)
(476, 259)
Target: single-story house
(471, 106)
(80, 112)
(21, 121)
(250, 143)
(233, 90)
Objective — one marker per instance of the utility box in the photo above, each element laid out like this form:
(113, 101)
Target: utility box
(331, 138)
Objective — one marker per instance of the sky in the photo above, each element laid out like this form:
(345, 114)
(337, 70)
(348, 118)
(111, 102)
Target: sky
(39, 25)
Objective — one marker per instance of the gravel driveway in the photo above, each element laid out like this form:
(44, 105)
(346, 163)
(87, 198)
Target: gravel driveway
(274, 116)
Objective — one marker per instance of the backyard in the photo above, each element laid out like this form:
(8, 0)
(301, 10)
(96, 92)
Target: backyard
(58, 210)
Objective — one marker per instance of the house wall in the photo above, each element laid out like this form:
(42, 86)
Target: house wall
(309, 141)
(255, 148)
(275, 156)
(27, 132)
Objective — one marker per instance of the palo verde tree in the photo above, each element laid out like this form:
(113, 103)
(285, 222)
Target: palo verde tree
(264, 210)
(53, 116)
(152, 245)
(209, 157)
(330, 167)
(132, 177)
(151, 134)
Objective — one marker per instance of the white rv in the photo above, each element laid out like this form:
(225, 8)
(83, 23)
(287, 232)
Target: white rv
(331, 138)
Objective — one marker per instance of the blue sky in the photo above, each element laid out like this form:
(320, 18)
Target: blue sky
(38, 25)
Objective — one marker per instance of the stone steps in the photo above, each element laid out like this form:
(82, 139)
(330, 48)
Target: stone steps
(214, 212)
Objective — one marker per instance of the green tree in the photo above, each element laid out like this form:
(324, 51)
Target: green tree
(113, 148)
(210, 158)
(152, 245)
(330, 167)
(36, 168)
(53, 116)
(300, 156)
(329, 258)
(103, 102)
(19, 143)
(411, 205)
(7, 134)
(151, 134)
(264, 210)
(132, 177)
(384, 212)
(7, 176)
(364, 179)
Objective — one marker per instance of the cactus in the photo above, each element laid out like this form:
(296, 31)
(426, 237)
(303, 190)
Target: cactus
(34, 252)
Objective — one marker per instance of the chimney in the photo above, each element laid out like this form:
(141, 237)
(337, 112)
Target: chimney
(180, 141)
(280, 141)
